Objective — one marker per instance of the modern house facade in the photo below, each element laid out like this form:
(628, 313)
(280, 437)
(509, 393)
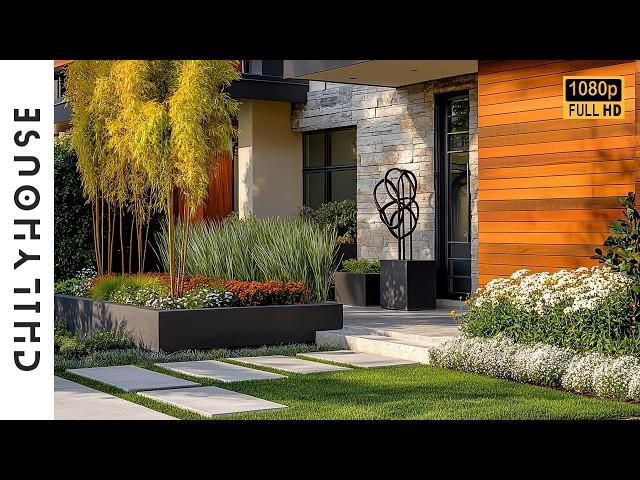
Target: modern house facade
(504, 182)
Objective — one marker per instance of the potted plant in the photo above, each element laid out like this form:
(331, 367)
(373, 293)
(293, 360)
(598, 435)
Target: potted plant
(339, 216)
(358, 283)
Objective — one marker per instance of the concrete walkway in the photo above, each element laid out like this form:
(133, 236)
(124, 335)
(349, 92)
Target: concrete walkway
(428, 323)
(78, 402)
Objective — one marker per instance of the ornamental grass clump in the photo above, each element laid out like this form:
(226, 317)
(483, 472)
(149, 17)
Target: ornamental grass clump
(257, 249)
(584, 309)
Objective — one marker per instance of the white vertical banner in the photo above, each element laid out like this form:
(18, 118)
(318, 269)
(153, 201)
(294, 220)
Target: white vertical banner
(26, 206)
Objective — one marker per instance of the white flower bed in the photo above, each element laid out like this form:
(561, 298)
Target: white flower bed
(580, 289)
(546, 365)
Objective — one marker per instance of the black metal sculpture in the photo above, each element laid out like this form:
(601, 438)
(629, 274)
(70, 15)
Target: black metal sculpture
(402, 193)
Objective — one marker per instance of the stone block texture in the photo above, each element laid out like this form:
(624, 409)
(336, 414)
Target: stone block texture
(395, 128)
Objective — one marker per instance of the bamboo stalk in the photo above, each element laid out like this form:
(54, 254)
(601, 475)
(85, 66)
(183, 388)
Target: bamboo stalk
(146, 243)
(171, 241)
(133, 221)
(121, 244)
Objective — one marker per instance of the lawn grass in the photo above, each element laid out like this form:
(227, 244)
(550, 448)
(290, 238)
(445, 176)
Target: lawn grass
(403, 392)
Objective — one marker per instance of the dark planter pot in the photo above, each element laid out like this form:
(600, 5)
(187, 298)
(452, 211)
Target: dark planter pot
(408, 284)
(171, 330)
(357, 288)
(345, 252)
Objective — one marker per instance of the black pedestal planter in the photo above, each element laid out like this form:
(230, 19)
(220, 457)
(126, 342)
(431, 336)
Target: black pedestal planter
(357, 288)
(408, 284)
(170, 330)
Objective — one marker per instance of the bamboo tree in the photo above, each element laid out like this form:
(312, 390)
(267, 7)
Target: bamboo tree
(144, 130)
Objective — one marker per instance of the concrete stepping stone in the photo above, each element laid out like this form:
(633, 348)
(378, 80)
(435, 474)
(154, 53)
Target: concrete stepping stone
(290, 364)
(358, 359)
(212, 401)
(79, 402)
(224, 372)
(131, 378)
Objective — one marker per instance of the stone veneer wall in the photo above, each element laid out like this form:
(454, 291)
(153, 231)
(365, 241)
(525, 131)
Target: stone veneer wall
(395, 127)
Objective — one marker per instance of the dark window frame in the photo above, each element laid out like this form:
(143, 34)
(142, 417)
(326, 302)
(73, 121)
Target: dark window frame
(326, 168)
(442, 193)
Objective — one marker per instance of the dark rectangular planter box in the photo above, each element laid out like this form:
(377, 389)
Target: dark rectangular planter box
(408, 284)
(357, 288)
(171, 330)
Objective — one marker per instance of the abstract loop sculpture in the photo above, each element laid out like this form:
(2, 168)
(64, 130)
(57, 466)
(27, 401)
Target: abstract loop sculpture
(400, 213)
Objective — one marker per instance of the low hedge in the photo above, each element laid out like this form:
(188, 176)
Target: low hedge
(541, 364)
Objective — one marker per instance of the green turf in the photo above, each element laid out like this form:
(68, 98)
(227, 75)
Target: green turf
(404, 392)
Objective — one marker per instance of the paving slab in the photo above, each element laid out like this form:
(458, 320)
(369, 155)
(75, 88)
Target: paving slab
(358, 359)
(79, 402)
(131, 378)
(290, 364)
(224, 372)
(212, 401)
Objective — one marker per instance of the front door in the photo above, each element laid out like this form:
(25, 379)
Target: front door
(453, 224)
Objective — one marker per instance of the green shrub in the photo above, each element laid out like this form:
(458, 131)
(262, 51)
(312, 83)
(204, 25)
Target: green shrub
(115, 288)
(623, 252)
(105, 340)
(258, 249)
(71, 346)
(73, 286)
(73, 230)
(361, 265)
(341, 216)
(583, 309)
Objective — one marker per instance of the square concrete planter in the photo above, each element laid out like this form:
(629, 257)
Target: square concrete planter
(357, 288)
(171, 330)
(408, 284)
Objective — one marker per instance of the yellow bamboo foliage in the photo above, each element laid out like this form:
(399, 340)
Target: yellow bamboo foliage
(143, 128)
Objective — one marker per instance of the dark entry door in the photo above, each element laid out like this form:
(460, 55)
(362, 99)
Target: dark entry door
(453, 229)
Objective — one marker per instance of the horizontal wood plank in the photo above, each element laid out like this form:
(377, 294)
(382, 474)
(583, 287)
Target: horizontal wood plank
(554, 158)
(520, 249)
(567, 134)
(591, 226)
(581, 168)
(545, 238)
(556, 192)
(549, 204)
(605, 215)
(591, 179)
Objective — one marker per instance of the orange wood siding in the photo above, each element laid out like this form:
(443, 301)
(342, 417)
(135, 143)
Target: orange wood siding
(548, 187)
(219, 202)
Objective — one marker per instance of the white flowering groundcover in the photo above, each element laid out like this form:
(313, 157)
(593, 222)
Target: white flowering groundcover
(546, 365)
(586, 309)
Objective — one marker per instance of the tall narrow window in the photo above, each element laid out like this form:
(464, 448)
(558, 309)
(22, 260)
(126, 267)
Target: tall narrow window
(454, 197)
(329, 169)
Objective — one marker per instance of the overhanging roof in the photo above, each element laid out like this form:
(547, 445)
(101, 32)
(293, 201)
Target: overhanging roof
(383, 73)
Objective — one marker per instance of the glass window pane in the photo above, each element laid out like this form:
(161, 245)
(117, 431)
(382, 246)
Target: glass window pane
(314, 150)
(460, 250)
(460, 268)
(458, 124)
(343, 185)
(458, 141)
(458, 106)
(343, 147)
(460, 286)
(313, 189)
(458, 198)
